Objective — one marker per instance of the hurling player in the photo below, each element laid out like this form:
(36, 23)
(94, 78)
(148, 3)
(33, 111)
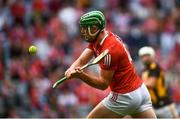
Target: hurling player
(154, 78)
(128, 96)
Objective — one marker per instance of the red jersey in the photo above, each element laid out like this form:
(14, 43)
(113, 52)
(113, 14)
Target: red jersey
(118, 59)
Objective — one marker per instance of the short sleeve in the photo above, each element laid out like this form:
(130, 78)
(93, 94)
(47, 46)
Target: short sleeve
(109, 62)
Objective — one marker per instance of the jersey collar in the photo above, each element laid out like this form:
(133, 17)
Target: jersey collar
(102, 41)
(97, 45)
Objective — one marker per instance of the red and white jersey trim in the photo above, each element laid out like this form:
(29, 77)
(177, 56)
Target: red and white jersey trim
(107, 60)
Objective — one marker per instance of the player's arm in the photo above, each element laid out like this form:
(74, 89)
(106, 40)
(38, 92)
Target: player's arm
(150, 81)
(101, 82)
(105, 75)
(83, 59)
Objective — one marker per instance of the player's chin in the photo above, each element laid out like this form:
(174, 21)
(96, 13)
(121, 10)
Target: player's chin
(90, 40)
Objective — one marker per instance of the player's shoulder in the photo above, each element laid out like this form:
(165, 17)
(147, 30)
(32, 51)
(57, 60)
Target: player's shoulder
(113, 41)
(114, 46)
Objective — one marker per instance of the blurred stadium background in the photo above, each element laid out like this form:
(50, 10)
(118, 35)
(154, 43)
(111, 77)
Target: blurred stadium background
(52, 25)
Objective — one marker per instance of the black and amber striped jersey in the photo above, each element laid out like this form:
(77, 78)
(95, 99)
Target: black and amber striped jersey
(159, 93)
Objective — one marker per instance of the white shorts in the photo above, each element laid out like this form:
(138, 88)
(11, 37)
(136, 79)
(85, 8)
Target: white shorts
(129, 103)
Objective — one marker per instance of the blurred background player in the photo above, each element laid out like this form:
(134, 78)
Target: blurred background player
(154, 78)
(128, 95)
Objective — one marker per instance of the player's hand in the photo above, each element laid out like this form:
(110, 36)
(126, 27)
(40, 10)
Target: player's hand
(68, 72)
(73, 72)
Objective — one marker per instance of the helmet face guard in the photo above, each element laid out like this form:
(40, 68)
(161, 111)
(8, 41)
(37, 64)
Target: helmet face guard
(90, 32)
(90, 20)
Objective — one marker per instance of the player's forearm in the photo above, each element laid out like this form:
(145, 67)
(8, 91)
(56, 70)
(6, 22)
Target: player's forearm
(77, 63)
(93, 81)
(83, 59)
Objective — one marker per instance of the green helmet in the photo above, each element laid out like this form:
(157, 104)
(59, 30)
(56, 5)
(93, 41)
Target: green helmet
(93, 18)
(89, 19)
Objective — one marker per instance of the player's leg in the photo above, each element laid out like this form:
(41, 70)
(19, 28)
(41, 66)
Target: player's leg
(145, 109)
(168, 111)
(101, 111)
(146, 114)
(173, 110)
